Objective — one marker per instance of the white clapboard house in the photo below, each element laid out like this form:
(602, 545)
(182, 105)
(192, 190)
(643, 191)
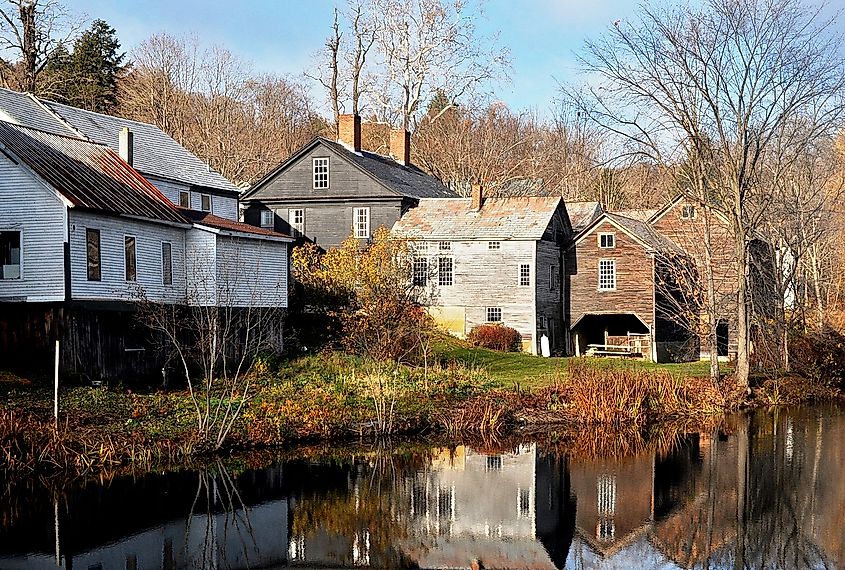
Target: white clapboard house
(84, 235)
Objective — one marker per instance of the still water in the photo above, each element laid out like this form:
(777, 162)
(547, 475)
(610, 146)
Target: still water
(762, 491)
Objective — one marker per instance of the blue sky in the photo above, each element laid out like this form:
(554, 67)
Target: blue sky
(281, 36)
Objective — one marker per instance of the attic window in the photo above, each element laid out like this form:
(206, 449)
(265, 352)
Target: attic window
(607, 241)
(321, 173)
(688, 212)
(10, 255)
(494, 245)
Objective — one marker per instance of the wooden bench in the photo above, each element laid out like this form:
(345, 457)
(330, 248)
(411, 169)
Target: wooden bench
(613, 350)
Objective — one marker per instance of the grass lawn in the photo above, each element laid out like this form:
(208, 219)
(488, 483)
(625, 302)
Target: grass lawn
(507, 369)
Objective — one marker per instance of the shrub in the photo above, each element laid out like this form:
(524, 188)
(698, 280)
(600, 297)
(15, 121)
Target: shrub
(496, 337)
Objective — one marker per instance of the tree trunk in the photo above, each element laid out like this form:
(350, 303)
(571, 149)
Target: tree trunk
(712, 311)
(743, 365)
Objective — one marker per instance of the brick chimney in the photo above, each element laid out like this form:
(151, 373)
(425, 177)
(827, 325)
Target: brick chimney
(349, 132)
(476, 198)
(125, 145)
(400, 146)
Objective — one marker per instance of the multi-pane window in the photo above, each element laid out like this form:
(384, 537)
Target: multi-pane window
(445, 246)
(296, 219)
(524, 503)
(321, 173)
(524, 275)
(607, 241)
(494, 463)
(205, 202)
(552, 277)
(92, 248)
(184, 198)
(494, 314)
(166, 263)
(10, 255)
(688, 212)
(361, 222)
(494, 245)
(420, 271)
(266, 218)
(129, 260)
(607, 274)
(445, 271)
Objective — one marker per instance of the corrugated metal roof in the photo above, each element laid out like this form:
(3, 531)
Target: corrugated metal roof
(499, 218)
(582, 214)
(210, 220)
(89, 175)
(155, 153)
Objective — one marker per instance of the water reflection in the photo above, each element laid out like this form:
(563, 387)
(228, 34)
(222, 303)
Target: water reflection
(763, 491)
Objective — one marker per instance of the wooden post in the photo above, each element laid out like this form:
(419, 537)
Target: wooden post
(56, 388)
(577, 346)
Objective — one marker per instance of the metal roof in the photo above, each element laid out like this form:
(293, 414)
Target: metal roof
(499, 218)
(645, 234)
(87, 174)
(212, 221)
(582, 214)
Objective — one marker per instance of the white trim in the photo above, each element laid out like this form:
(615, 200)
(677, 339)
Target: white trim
(188, 193)
(210, 203)
(519, 275)
(358, 225)
(612, 236)
(589, 230)
(268, 213)
(314, 160)
(613, 274)
(300, 228)
(20, 276)
(235, 233)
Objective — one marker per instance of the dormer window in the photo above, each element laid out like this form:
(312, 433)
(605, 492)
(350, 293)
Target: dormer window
(688, 212)
(321, 173)
(607, 241)
(266, 218)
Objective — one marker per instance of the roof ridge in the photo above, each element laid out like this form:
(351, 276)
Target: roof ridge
(38, 101)
(48, 102)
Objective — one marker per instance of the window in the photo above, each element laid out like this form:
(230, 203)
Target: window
(607, 274)
(166, 263)
(296, 219)
(543, 322)
(688, 212)
(321, 173)
(205, 202)
(420, 272)
(266, 218)
(552, 277)
(361, 222)
(494, 463)
(92, 246)
(607, 241)
(10, 255)
(185, 199)
(421, 246)
(524, 503)
(494, 314)
(129, 263)
(494, 245)
(445, 246)
(445, 271)
(524, 275)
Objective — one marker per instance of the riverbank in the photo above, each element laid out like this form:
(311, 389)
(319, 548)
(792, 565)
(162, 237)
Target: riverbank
(465, 392)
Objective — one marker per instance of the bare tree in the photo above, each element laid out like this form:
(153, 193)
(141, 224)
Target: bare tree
(32, 30)
(734, 73)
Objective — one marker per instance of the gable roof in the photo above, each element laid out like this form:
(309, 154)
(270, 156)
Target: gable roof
(643, 215)
(582, 214)
(156, 154)
(523, 218)
(641, 231)
(87, 174)
(403, 180)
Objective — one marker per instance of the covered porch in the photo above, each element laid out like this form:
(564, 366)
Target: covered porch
(612, 334)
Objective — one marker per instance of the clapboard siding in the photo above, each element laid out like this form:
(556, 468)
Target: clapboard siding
(251, 273)
(345, 180)
(201, 267)
(38, 213)
(329, 223)
(223, 206)
(113, 285)
(634, 277)
(488, 278)
(549, 292)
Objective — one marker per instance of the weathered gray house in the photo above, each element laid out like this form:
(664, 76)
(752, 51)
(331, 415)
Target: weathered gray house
(327, 190)
(493, 260)
(183, 178)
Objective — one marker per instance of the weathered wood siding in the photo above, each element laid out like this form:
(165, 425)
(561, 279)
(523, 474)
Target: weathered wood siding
(550, 293)
(201, 267)
(28, 206)
(634, 291)
(345, 180)
(223, 206)
(489, 278)
(252, 273)
(328, 223)
(113, 285)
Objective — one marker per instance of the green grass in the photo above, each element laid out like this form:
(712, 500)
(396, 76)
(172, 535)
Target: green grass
(506, 369)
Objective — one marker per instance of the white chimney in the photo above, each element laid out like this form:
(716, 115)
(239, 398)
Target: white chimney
(125, 145)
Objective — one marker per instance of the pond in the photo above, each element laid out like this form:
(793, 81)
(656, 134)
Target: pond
(761, 491)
